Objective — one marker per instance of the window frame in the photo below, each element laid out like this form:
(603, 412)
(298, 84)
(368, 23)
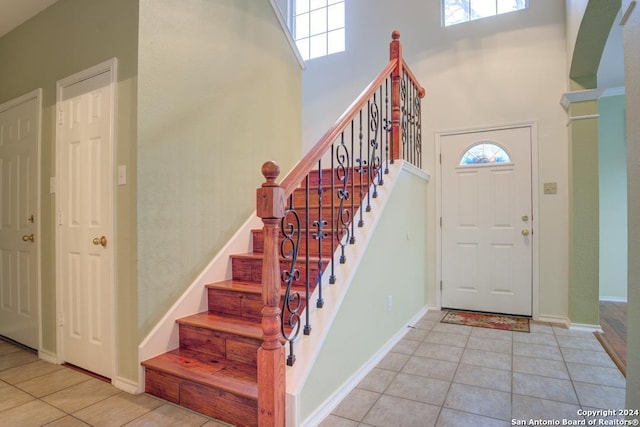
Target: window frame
(307, 52)
(468, 17)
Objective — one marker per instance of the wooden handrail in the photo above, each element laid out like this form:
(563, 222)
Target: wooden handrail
(414, 80)
(310, 160)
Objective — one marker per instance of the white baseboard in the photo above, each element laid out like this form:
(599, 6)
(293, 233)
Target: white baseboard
(613, 299)
(126, 385)
(585, 327)
(330, 404)
(48, 357)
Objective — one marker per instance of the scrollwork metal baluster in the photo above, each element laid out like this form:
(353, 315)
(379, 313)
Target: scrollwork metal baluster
(319, 235)
(292, 302)
(374, 159)
(332, 277)
(418, 107)
(404, 120)
(344, 215)
(352, 169)
(386, 126)
(362, 163)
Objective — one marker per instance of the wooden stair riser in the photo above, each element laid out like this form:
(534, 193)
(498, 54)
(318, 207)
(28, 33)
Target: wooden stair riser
(299, 196)
(314, 251)
(250, 269)
(213, 402)
(314, 177)
(347, 211)
(240, 304)
(219, 344)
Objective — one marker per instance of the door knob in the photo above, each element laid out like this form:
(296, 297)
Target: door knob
(28, 237)
(100, 241)
(525, 232)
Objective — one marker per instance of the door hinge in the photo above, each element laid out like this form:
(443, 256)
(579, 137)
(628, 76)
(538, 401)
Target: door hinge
(60, 118)
(440, 285)
(440, 158)
(440, 222)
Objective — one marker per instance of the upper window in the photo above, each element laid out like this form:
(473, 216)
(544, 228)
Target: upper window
(484, 153)
(318, 27)
(458, 11)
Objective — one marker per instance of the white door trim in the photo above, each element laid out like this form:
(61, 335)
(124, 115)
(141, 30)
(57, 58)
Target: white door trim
(37, 94)
(109, 65)
(535, 262)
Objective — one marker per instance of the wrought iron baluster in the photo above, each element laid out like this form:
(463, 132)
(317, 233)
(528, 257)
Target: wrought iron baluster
(307, 326)
(320, 234)
(362, 163)
(344, 215)
(418, 107)
(352, 171)
(387, 126)
(292, 302)
(404, 119)
(332, 277)
(380, 138)
(374, 159)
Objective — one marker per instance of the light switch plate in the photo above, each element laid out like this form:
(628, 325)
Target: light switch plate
(550, 188)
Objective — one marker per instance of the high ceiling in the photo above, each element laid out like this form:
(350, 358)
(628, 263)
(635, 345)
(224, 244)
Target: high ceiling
(15, 12)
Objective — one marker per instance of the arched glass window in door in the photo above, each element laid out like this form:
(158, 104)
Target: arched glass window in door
(484, 153)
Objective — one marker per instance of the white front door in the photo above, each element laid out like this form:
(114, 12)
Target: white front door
(487, 221)
(85, 219)
(19, 216)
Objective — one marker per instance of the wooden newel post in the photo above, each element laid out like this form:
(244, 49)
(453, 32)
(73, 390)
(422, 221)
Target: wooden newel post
(395, 52)
(270, 206)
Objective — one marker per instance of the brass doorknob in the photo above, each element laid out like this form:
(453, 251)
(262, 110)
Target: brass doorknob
(28, 237)
(100, 241)
(525, 232)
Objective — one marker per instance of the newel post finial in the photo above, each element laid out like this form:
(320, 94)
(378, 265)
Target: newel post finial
(395, 52)
(270, 206)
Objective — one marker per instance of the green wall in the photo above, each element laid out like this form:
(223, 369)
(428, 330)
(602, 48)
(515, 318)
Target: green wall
(583, 211)
(219, 94)
(613, 197)
(394, 264)
(66, 38)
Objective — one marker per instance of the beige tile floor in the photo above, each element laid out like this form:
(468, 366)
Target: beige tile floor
(437, 375)
(451, 375)
(37, 393)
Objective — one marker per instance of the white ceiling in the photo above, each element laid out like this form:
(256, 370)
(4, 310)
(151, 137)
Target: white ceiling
(15, 12)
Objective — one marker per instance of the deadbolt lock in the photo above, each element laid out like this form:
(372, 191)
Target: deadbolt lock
(525, 218)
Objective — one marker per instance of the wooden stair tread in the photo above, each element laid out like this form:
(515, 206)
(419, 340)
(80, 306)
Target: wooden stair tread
(224, 323)
(237, 286)
(243, 287)
(237, 378)
(259, 255)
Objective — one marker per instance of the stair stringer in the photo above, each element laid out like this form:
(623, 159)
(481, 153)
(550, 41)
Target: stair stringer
(308, 348)
(164, 336)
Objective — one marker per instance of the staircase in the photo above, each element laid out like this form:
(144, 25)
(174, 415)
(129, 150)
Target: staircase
(230, 361)
(214, 371)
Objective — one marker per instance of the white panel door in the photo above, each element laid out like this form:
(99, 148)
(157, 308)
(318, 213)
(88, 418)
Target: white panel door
(19, 136)
(487, 224)
(85, 211)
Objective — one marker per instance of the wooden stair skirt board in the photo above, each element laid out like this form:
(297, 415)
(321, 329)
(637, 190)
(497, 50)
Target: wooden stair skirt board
(214, 370)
